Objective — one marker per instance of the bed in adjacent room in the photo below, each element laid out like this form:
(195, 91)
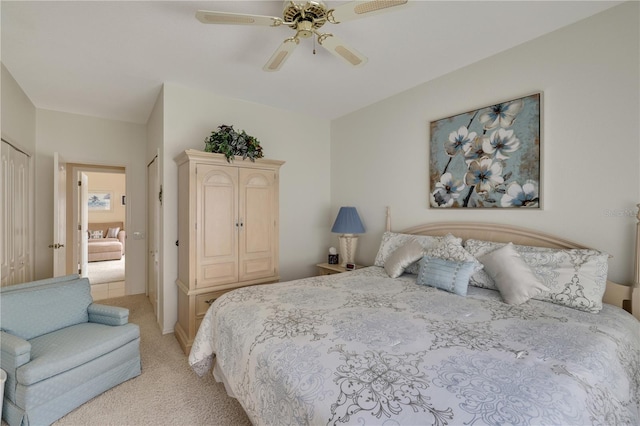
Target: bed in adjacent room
(437, 332)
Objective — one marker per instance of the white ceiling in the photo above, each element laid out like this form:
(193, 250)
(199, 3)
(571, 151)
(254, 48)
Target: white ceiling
(109, 58)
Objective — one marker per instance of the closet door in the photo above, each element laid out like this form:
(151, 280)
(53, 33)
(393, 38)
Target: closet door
(258, 204)
(216, 225)
(15, 259)
(21, 218)
(6, 215)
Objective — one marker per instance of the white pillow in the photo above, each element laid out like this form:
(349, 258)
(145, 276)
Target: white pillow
(450, 248)
(391, 241)
(576, 278)
(402, 257)
(513, 277)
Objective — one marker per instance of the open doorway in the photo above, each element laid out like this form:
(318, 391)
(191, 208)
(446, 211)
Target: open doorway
(97, 227)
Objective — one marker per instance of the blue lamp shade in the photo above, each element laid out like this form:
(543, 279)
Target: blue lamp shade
(348, 222)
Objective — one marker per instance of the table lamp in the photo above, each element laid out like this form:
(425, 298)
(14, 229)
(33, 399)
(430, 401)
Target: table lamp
(348, 223)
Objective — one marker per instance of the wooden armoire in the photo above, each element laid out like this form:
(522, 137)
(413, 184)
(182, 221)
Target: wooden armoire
(228, 231)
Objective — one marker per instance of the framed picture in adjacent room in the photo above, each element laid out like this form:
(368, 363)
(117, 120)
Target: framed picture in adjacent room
(100, 200)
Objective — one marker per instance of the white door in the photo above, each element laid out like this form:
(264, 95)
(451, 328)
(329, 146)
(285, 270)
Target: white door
(21, 218)
(15, 235)
(83, 224)
(6, 216)
(153, 213)
(59, 216)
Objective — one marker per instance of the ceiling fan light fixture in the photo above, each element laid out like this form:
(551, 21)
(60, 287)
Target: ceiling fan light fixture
(305, 29)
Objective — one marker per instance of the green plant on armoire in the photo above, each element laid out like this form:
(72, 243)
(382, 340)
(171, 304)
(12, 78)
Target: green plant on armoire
(226, 140)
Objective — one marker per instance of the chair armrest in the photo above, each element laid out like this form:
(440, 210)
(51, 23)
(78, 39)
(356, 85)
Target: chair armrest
(108, 315)
(14, 352)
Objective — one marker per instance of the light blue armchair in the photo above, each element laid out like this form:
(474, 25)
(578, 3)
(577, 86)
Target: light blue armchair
(59, 349)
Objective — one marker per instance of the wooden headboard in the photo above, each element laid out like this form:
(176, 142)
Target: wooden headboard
(615, 293)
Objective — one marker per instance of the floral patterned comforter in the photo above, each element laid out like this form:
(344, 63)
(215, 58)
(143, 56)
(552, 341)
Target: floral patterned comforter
(362, 348)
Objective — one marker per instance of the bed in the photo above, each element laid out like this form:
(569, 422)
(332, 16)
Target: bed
(429, 341)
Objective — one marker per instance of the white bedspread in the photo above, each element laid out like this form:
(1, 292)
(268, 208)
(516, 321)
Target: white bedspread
(361, 348)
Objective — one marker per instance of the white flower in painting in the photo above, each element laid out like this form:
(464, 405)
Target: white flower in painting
(500, 143)
(474, 151)
(521, 196)
(501, 115)
(458, 141)
(485, 174)
(447, 191)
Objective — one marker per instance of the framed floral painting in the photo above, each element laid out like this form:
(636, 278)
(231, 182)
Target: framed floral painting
(487, 158)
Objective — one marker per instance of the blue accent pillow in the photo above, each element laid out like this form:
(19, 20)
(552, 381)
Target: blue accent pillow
(448, 275)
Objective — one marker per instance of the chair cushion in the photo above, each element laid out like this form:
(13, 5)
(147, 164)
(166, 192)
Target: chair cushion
(65, 349)
(36, 310)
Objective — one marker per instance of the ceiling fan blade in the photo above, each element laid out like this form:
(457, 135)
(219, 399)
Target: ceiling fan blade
(281, 54)
(362, 9)
(211, 17)
(337, 47)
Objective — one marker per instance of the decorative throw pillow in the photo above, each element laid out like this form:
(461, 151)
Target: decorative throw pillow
(444, 274)
(403, 256)
(95, 235)
(576, 278)
(450, 248)
(113, 232)
(511, 274)
(391, 241)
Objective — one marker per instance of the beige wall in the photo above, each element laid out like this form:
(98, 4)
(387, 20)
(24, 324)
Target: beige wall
(100, 142)
(18, 114)
(114, 183)
(589, 74)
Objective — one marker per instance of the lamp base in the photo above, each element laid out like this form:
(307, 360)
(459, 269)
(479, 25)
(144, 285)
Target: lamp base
(348, 246)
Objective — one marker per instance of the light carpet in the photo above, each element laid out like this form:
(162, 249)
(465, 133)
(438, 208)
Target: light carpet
(106, 271)
(167, 392)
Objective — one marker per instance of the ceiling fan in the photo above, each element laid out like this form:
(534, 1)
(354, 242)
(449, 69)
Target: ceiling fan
(306, 18)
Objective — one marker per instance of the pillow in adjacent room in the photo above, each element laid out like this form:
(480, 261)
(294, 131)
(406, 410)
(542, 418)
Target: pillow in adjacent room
(95, 235)
(113, 232)
(391, 241)
(448, 275)
(402, 257)
(511, 274)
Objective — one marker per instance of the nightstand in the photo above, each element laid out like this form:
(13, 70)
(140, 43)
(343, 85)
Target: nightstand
(328, 269)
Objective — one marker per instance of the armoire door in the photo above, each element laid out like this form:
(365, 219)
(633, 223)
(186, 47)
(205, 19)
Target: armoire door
(258, 223)
(217, 225)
